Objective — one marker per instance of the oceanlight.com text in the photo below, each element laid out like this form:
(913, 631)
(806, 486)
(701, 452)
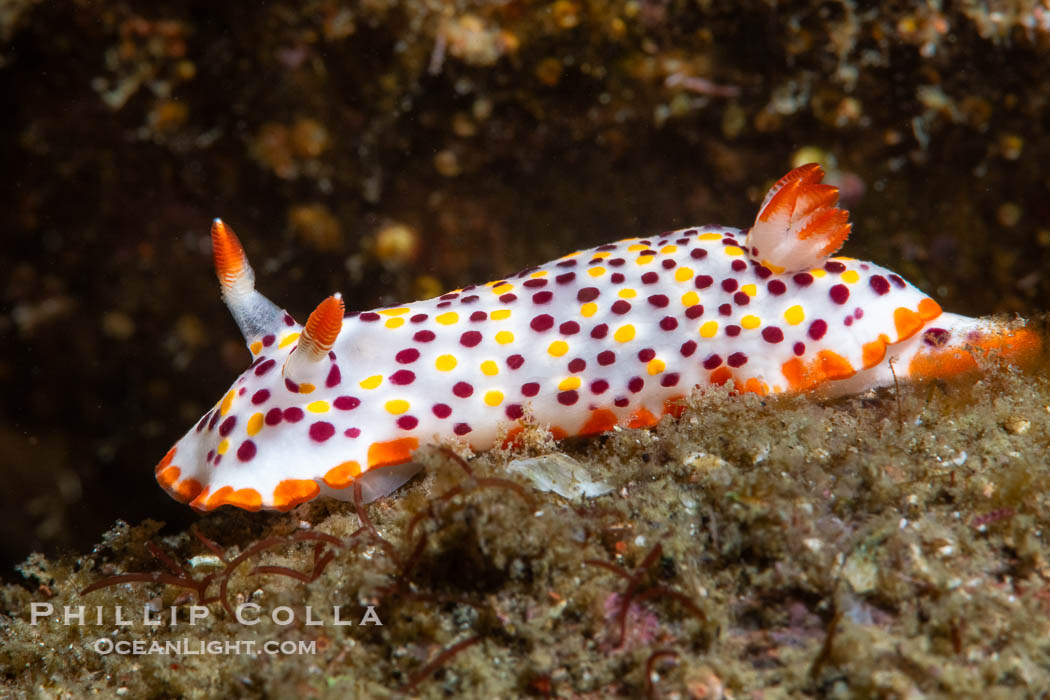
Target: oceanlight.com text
(199, 647)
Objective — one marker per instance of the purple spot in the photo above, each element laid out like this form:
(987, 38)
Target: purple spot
(450, 295)
(568, 263)
(407, 356)
(369, 316)
(936, 337)
(442, 410)
(541, 323)
(712, 361)
(776, 287)
(799, 349)
(542, 297)
(688, 348)
(848, 321)
(587, 294)
(606, 357)
(257, 398)
(762, 272)
(659, 300)
(291, 386)
(703, 281)
(423, 336)
(515, 361)
(347, 403)
(568, 398)
(470, 339)
(418, 318)
(469, 299)
(621, 307)
(288, 320)
(858, 313)
(334, 377)
(569, 328)
(697, 253)
(293, 414)
(772, 334)
(738, 265)
(646, 354)
(402, 377)
(321, 431)
(407, 422)
(668, 264)
(694, 312)
(668, 323)
(599, 386)
(650, 278)
(352, 432)
(741, 299)
(530, 389)
(515, 411)
(732, 330)
(274, 416)
(461, 428)
(508, 298)
(818, 328)
(605, 247)
(214, 419)
(478, 316)
(725, 309)
(897, 281)
(443, 304)
(246, 451)
(803, 279)
(832, 266)
(577, 365)
(635, 384)
(268, 340)
(669, 379)
(204, 419)
(264, 368)
(536, 283)
(227, 425)
(600, 331)
(879, 284)
(621, 402)
(839, 293)
(565, 278)
(462, 390)
(617, 278)
(737, 359)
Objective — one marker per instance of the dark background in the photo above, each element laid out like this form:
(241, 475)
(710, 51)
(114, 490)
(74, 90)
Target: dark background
(390, 151)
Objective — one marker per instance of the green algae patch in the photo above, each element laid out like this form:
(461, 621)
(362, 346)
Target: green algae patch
(888, 543)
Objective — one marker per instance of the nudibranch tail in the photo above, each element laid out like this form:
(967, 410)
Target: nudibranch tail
(798, 225)
(254, 314)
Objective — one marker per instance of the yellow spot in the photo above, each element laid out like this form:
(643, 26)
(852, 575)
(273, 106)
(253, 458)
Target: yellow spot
(223, 446)
(502, 288)
(317, 407)
(776, 269)
(306, 388)
(624, 333)
(710, 237)
(668, 249)
(818, 272)
(733, 250)
(227, 401)
(795, 315)
(655, 366)
(628, 294)
(255, 347)
(539, 273)
(645, 259)
(493, 397)
(255, 424)
(636, 247)
(709, 329)
(500, 314)
(372, 382)
(288, 340)
(569, 383)
(394, 312)
(601, 255)
(445, 363)
(750, 322)
(447, 318)
(690, 299)
(394, 322)
(683, 274)
(589, 309)
(558, 348)
(596, 271)
(749, 289)
(850, 276)
(504, 337)
(489, 368)
(396, 406)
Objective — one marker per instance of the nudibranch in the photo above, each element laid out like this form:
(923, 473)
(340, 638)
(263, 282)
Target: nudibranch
(610, 336)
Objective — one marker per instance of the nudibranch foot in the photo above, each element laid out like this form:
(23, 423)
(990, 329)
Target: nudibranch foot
(613, 336)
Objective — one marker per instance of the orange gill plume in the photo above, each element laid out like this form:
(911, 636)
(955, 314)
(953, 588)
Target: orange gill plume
(798, 224)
